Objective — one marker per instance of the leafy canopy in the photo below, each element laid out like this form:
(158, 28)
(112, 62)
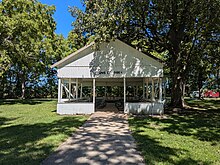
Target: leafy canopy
(179, 29)
(24, 27)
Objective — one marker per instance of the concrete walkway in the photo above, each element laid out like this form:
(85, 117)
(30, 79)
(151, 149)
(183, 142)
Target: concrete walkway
(104, 139)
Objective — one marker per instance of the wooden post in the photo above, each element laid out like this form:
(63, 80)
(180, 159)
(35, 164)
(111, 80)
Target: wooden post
(160, 89)
(69, 88)
(124, 92)
(143, 88)
(77, 86)
(147, 87)
(164, 89)
(134, 90)
(59, 90)
(61, 84)
(94, 92)
(137, 90)
(152, 90)
(105, 91)
(156, 89)
(81, 87)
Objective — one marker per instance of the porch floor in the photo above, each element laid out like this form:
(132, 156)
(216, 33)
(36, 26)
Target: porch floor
(110, 107)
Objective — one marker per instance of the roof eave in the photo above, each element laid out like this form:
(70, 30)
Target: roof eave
(147, 54)
(57, 64)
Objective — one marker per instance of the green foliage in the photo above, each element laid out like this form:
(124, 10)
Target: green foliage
(28, 46)
(180, 30)
(25, 26)
(4, 62)
(205, 71)
(75, 41)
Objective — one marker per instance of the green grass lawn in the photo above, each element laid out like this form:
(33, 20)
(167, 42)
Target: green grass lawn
(30, 130)
(191, 137)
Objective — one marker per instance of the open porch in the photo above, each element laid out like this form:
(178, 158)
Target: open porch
(130, 95)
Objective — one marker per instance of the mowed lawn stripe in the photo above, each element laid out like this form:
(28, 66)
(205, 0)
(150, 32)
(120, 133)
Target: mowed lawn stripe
(30, 130)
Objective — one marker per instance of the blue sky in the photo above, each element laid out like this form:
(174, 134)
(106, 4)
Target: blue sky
(62, 16)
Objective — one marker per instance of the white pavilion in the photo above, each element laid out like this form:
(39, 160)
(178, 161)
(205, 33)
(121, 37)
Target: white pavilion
(87, 77)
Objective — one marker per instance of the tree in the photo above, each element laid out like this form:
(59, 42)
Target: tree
(205, 68)
(75, 41)
(25, 25)
(177, 27)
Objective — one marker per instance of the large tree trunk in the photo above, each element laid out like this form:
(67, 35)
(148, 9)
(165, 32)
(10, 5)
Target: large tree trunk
(177, 92)
(177, 65)
(178, 76)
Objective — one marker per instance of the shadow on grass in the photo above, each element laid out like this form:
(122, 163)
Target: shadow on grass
(23, 101)
(4, 120)
(151, 148)
(152, 151)
(190, 161)
(208, 104)
(202, 120)
(203, 125)
(54, 111)
(21, 144)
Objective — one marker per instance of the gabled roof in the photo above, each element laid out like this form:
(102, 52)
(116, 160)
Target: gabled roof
(147, 54)
(71, 55)
(57, 64)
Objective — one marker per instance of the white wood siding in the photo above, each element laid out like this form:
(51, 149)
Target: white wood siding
(75, 108)
(144, 108)
(115, 59)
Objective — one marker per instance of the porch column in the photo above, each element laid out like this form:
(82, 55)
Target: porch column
(147, 88)
(105, 91)
(69, 88)
(94, 92)
(143, 88)
(124, 93)
(77, 86)
(160, 89)
(152, 90)
(134, 90)
(81, 87)
(137, 90)
(59, 90)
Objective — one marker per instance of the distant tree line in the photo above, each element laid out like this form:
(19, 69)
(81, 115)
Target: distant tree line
(184, 33)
